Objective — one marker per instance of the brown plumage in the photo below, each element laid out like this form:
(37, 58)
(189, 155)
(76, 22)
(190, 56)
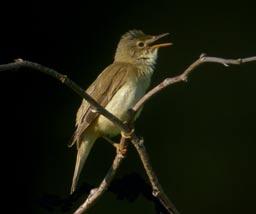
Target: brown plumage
(102, 92)
(117, 89)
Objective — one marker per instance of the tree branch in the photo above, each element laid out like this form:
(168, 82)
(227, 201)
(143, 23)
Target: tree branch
(139, 144)
(19, 63)
(184, 76)
(157, 189)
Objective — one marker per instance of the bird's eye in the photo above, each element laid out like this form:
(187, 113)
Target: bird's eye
(141, 44)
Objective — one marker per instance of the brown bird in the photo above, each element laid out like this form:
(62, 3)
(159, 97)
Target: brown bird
(117, 89)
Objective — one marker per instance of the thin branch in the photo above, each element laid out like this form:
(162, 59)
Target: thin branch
(184, 76)
(139, 144)
(157, 189)
(19, 63)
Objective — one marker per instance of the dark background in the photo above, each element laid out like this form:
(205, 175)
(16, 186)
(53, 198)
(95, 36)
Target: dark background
(200, 135)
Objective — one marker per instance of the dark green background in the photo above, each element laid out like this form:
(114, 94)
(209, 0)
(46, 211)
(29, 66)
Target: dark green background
(200, 135)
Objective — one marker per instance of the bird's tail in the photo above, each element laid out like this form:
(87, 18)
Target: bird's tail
(83, 151)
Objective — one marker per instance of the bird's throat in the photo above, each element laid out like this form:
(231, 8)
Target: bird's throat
(145, 70)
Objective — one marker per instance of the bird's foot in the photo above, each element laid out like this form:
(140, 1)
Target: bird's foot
(110, 141)
(119, 149)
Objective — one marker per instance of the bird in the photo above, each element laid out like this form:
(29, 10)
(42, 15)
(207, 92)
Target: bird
(117, 88)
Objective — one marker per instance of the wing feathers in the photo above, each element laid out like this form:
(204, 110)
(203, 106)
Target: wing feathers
(102, 90)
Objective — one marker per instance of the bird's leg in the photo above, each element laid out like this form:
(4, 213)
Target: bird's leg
(118, 147)
(113, 143)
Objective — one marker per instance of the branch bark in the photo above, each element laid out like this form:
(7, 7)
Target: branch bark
(138, 143)
(157, 189)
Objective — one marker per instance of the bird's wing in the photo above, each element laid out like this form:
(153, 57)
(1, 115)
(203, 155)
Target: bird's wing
(102, 90)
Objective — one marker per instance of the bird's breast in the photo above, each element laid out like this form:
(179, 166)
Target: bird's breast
(121, 102)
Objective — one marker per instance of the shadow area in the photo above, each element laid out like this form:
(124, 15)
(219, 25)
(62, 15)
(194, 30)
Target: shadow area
(128, 188)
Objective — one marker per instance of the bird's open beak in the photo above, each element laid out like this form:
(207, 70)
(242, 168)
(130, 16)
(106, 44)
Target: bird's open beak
(156, 38)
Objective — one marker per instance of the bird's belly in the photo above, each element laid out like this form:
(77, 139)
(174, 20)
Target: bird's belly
(121, 102)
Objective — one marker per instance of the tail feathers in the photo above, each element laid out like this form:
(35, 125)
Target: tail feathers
(82, 154)
(72, 141)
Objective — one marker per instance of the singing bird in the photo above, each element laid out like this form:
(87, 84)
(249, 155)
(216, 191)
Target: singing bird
(117, 89)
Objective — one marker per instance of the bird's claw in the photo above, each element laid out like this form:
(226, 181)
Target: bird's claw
(120, 149)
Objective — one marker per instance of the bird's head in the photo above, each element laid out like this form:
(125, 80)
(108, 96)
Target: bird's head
(138, 48)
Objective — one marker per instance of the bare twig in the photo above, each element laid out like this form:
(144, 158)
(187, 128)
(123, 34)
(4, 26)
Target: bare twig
(139, 144)
(157, 189)
(19, 63)
(184, 76)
